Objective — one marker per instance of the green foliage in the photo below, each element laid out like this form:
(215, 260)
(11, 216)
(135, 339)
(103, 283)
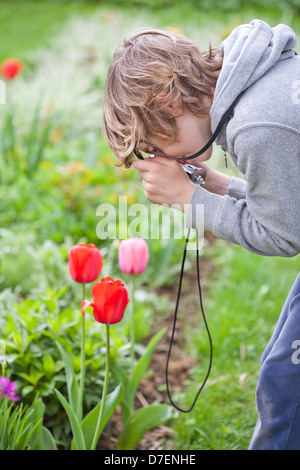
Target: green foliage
(23, 161)
(85, 430)
(227, 5)
(30, 330)
(131, 380)
(137, 422)
(42, 338)
(15, 426)
(88, 424)
(140, 422)
(21, 427)
(41, 438)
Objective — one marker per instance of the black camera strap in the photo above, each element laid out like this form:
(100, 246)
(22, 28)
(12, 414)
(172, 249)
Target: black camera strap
(174, 324)
(218, 129)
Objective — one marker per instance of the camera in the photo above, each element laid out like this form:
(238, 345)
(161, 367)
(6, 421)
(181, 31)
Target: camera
(195, 173)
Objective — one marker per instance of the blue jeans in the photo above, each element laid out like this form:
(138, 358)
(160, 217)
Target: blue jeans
(278, 387)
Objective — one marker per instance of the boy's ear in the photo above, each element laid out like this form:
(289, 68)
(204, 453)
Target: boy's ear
(174, 108)
(176, 112)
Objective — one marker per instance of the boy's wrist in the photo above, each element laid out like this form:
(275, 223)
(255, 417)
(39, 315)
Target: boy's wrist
(187, 196)
(218, 184)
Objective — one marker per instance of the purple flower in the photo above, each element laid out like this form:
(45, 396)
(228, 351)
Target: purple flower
(8, 389)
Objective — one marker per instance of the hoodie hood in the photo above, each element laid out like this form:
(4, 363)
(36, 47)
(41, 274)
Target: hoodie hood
(249, 52)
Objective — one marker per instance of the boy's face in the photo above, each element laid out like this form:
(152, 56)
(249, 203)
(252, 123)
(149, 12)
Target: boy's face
(193, 133)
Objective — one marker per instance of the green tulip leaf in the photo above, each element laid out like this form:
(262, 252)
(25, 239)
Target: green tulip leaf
(72, 384)
(36, 442)
(140, 422)
(89, 423)
(142, 364)
(48, 440)
(41, 438)
(131, 384)
(120, 376)
(75, 425)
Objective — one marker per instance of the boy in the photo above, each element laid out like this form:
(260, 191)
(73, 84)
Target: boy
(165, 96)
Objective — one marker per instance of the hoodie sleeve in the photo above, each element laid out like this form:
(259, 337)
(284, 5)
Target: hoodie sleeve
(266, 221)
(237, 188)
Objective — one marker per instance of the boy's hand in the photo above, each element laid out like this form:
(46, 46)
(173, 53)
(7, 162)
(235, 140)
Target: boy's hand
(215, 181)
(165, 182)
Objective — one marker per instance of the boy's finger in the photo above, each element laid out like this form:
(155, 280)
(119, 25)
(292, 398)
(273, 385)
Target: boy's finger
(141, 165)
(145, 164)
(165, 161)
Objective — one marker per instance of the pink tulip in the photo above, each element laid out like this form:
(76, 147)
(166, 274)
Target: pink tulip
(133, 255)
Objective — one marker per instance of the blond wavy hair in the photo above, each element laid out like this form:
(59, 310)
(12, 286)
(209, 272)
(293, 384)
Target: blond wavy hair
(152, 74)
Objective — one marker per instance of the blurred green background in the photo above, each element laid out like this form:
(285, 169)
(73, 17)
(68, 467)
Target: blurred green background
(55, 170)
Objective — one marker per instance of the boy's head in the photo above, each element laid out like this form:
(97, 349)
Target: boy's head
(153, 75)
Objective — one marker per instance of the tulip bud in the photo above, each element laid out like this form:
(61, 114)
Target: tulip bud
(133, 255)
(85, 262)
(110, 299)
(10, 68)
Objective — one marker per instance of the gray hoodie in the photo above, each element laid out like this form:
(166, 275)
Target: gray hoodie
(261, 211)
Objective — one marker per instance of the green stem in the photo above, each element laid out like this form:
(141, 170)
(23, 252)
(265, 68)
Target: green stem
(82, 363)
(3, 359)
(104, 392)
(132, 322)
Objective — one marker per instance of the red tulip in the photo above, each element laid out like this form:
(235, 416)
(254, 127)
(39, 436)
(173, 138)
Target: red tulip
(10, 68)
(133, 255)
(85, 262)
(110, 299)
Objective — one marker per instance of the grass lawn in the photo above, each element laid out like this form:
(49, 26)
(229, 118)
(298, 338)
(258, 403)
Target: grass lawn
(28, 25)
